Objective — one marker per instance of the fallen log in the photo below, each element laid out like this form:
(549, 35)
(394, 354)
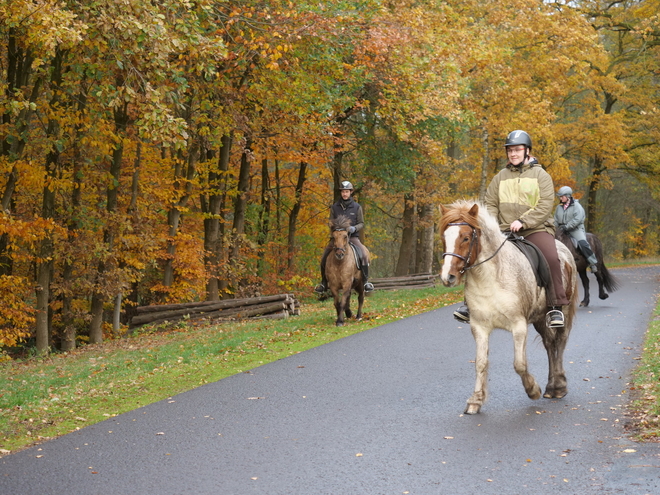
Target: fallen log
(217, 310)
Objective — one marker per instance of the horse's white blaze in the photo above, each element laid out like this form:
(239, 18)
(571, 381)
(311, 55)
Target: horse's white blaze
(451, 236)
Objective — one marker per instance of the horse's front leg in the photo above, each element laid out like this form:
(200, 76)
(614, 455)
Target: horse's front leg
(519, 332)
(585, 285)
(339, 307)
(480, 394)
(347, 302)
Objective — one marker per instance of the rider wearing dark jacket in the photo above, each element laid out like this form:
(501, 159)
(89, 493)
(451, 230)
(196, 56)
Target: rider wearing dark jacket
(349, 207)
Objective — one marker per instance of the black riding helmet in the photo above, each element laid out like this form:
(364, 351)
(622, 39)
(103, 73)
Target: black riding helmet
(516, 138)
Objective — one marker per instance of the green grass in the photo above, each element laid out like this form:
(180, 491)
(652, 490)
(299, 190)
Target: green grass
(645, 408)
(42, 398)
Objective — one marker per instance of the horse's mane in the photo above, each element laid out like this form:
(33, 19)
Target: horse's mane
(484, 222)
(342, 222)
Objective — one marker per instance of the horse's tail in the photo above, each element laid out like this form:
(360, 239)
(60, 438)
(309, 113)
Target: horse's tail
(610, 282)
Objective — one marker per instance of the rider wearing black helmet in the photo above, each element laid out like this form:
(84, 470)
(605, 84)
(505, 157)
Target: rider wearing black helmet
(569, 217)
(521, 197)
(349, 207)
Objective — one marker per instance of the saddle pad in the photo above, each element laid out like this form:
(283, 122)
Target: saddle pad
(536, 259)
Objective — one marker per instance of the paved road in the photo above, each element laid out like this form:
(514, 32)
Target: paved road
(379, 413)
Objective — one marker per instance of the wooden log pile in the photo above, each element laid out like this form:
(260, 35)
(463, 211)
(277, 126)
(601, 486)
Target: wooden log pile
(265, 307)
(419, 281)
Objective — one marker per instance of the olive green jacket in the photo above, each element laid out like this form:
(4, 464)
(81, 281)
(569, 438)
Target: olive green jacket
(524, 193)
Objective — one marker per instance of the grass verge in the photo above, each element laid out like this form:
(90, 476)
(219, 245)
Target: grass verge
(644, 410)
(42, 398)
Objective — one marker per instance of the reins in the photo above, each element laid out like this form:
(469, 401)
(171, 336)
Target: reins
(466, 260)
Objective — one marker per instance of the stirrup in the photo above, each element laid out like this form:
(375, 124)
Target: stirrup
(320, 289)
(554, 318)
(462, 314)
(594, 268)
(368, 287)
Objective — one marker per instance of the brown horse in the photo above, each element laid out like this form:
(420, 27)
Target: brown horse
(606, 281)
(342, 271)
(502, 292)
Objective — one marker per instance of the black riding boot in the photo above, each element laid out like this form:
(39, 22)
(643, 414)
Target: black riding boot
(368, 286)
(585, 248)
(323, 286)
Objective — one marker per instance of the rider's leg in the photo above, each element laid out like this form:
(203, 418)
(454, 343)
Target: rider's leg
(546, 243)
(462, 314)
(323, 286)
(588, 254)
(364, 263)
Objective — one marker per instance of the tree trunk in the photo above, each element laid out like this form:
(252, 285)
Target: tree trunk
(240, 203)
(591, 224)
(406, 249)
(427, 234)
(52, 169)
(69, 334)
(174, 215)
(293, 217)
(485, 164)
(213, 222)
(112, 193)
(264, 217)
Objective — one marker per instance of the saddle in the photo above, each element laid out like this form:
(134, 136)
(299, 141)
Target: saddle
(356, 255)
(536, 259)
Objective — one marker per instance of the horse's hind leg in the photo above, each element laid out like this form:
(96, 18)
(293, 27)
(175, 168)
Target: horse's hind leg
(358, 316)
(554, 341)
(520, 361)
(481, 338)
(601, 286)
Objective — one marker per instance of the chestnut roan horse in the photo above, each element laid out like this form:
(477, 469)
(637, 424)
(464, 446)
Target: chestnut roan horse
(342, 271)
(501, 291)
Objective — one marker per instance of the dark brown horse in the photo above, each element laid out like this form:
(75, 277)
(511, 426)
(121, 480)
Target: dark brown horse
(606, 281)
(342, 271)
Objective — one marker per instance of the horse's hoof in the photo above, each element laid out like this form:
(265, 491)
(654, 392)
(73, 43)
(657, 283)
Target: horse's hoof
(339, 323)
(604, 296)
(584, 304)
(535, 394)
(472, 409)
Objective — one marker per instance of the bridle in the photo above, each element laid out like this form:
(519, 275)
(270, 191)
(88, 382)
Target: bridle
(473, 239)
(339, 250)
(466, 259)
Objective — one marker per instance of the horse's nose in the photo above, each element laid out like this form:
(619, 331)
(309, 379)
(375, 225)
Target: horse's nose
(449, 281)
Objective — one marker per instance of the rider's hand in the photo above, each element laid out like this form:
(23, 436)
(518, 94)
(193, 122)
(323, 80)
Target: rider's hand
(515, 226)
(351, 229)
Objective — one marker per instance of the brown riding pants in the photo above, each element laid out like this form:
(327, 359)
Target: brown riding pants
(546, 243)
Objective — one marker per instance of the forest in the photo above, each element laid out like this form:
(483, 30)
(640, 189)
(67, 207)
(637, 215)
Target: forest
(189, 150)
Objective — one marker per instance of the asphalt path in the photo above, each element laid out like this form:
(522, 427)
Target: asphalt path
(380, 412)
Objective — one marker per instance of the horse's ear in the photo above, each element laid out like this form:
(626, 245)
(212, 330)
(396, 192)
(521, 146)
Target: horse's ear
(474, 211)
(443, 210)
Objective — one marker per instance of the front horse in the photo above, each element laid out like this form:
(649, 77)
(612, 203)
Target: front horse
(502, 292)
(342, 271)
(606, 281)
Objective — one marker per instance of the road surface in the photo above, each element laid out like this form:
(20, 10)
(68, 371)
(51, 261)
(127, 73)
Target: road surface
(380, 412)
